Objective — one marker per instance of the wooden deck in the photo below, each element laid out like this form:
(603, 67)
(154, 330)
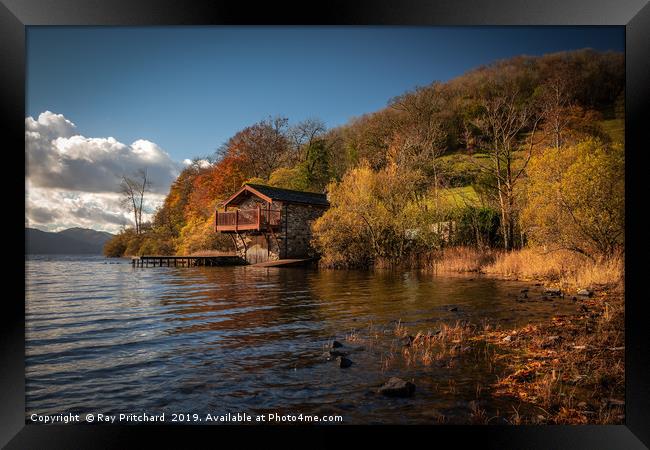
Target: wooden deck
(247, 220)
(186, 261)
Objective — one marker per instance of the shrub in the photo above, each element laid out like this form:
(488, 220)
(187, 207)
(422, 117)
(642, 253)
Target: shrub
(461, 259)
(198, 234)
(374, 215)
(117, 245)
(477, 226)
(575, 198)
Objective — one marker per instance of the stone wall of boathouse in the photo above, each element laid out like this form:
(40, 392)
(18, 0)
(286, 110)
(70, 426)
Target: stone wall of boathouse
(297, 234)
(291, 240)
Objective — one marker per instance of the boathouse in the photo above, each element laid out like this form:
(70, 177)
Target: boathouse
(268, 223)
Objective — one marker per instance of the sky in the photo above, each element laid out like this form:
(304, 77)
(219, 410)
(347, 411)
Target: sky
(100, 99)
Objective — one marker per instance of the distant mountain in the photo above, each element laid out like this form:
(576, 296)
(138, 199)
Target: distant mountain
(71, 241)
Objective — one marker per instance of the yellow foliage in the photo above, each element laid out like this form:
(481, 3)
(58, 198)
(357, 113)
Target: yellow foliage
(373, 215)
(287, 178)
(199, 234)
(575, 198)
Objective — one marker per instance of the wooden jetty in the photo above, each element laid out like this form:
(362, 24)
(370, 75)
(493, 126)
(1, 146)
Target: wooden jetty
(286, 263)
(186, 261)
(211, 261)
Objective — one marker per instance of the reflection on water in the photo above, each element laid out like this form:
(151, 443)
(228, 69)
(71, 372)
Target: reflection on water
(102, 336)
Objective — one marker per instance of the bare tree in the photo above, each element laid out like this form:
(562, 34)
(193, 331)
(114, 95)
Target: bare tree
(423, 136)
(304, 135)
(509, 123)
(555, 103)
(133, 189)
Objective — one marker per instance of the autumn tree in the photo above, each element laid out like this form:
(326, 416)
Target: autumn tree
(260, 148)
(368, 138)
(556, 101)
(312, 162)
(421, 136)
(508, 121)
(290, 178)
(575, 198)
(373, 215)
(304, 135)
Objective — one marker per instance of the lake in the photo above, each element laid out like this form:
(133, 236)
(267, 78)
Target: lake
(102, 336)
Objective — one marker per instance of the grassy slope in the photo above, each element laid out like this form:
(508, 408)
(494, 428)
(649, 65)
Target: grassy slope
(615, 128)
(460, 196)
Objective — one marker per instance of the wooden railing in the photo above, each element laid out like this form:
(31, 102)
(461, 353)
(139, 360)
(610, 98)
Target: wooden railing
(248, 219)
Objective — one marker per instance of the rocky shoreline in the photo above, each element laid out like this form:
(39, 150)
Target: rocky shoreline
(567, 370)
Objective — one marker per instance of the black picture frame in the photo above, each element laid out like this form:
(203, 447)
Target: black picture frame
(634, 15)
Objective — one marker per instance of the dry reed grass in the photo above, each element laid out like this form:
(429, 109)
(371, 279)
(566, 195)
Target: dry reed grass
(442, 346)
(461, 259)
(566, 268)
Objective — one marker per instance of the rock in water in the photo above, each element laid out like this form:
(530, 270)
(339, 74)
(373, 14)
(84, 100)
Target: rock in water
(336, 344)
(553, 291)
(344, 363)
(337, 353)
(396, 387)
(585, 293)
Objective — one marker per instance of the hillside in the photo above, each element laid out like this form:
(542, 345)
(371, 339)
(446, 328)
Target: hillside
(71, 241)
(436, 138)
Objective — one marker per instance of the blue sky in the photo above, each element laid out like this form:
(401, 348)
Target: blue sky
(102, 101)
(188, 89)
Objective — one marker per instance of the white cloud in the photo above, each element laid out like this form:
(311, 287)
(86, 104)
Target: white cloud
(73, 180)
(58, 209)
(202, 163)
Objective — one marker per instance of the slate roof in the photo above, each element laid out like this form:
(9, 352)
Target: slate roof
(286, 195)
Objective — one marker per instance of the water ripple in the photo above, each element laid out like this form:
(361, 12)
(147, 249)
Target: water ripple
(113, 338)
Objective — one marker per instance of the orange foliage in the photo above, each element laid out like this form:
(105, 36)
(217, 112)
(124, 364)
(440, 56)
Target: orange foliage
(212, 185)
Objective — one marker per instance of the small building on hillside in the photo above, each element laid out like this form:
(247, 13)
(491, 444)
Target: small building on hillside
(268, 223)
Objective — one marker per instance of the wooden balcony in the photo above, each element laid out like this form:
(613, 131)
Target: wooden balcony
(258, 219)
